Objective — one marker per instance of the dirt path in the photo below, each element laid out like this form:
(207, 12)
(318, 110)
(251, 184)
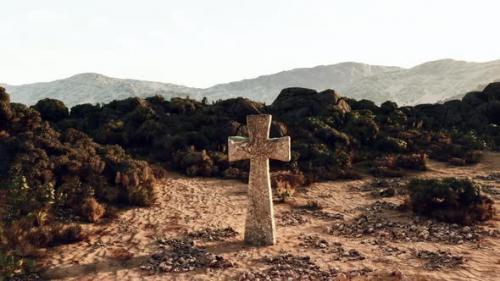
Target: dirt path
(116, 250)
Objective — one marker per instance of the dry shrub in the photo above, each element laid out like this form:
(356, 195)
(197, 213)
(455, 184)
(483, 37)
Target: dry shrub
(135, 180)
(91, 210)
(159, 172)
(233, 173)
(417, 162)
(24, 242)
(468, 158)
(292, 179)
(388, 161)
(12, 265)
(142, 195)
(386, 167)
(391, 165)
(313, 205)
(350, 174)
(450, 200)
(195, 163)
(473, 157)
(50, 236)
(284, 191)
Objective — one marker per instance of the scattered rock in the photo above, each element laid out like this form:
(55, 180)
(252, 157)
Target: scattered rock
(373, 222)
(316, 242)
(495, 176)
(290, 267)
(491, 190)
(291, 218)
(208, 234)
(384, 192)
(341, 254)
(440, 259)
(183, 257)
(384, 187)
(27, 277)
(319, 214)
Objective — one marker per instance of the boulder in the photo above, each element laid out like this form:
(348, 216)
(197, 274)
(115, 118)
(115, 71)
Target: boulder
(239, 108)
(297, 103)
(278, 129)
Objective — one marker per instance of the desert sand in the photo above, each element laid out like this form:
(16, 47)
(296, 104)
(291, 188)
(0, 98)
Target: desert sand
(116, 249)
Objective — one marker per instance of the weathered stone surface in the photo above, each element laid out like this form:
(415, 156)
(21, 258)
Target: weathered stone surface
(260, 228)
(298, 103)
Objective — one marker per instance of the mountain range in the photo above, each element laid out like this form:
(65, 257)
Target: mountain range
(429, 82)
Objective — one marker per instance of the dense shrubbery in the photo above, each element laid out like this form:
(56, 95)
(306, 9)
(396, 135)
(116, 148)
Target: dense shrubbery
(450, 200)
(47, 173)
(46, 167)
(51, 109)
(329, 133)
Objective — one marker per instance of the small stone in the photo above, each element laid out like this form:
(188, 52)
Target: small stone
(424, 234)
(341, 277)
(164, 267)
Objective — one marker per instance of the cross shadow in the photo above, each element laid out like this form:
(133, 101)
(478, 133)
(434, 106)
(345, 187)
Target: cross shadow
(81, 270)
(226, 247)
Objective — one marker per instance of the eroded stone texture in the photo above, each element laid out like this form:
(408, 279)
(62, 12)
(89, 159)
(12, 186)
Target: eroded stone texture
(260, 227)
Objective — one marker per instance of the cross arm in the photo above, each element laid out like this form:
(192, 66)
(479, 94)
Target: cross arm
(237, 148)
(280, 149)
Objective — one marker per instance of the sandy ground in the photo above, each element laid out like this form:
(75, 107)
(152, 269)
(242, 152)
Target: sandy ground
(117, 249)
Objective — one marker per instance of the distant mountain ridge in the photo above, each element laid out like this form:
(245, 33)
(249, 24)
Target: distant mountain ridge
(93, 88)
(267, 87)
(429, 82)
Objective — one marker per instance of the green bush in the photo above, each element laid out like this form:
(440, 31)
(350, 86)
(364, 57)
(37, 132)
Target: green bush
(362, 126)
(28, 201)
(52, 109)
(450, 200)
(391, 144)
(47, 175)
(416, 162)
(12, 265)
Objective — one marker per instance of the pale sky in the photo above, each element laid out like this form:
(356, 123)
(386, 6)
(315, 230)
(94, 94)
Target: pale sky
(199, 43)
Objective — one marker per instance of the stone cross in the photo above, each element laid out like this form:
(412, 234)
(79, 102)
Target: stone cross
(260, 228)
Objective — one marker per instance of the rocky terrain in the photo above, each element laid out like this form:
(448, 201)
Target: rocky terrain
(63, 173)
(426, 83)
(94, 88)
(378, 240)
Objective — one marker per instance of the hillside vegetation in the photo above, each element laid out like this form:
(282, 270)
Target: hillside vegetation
(429, 82)
(332, 136)
(59, 165)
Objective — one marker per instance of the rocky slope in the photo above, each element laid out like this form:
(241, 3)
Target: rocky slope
(266, 88)
(426, 83)
(93, 88)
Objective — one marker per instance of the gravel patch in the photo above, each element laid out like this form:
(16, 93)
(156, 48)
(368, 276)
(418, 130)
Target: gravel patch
(183, 256)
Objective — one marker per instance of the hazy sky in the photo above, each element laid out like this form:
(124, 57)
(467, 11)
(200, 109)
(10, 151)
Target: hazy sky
(204, 42)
